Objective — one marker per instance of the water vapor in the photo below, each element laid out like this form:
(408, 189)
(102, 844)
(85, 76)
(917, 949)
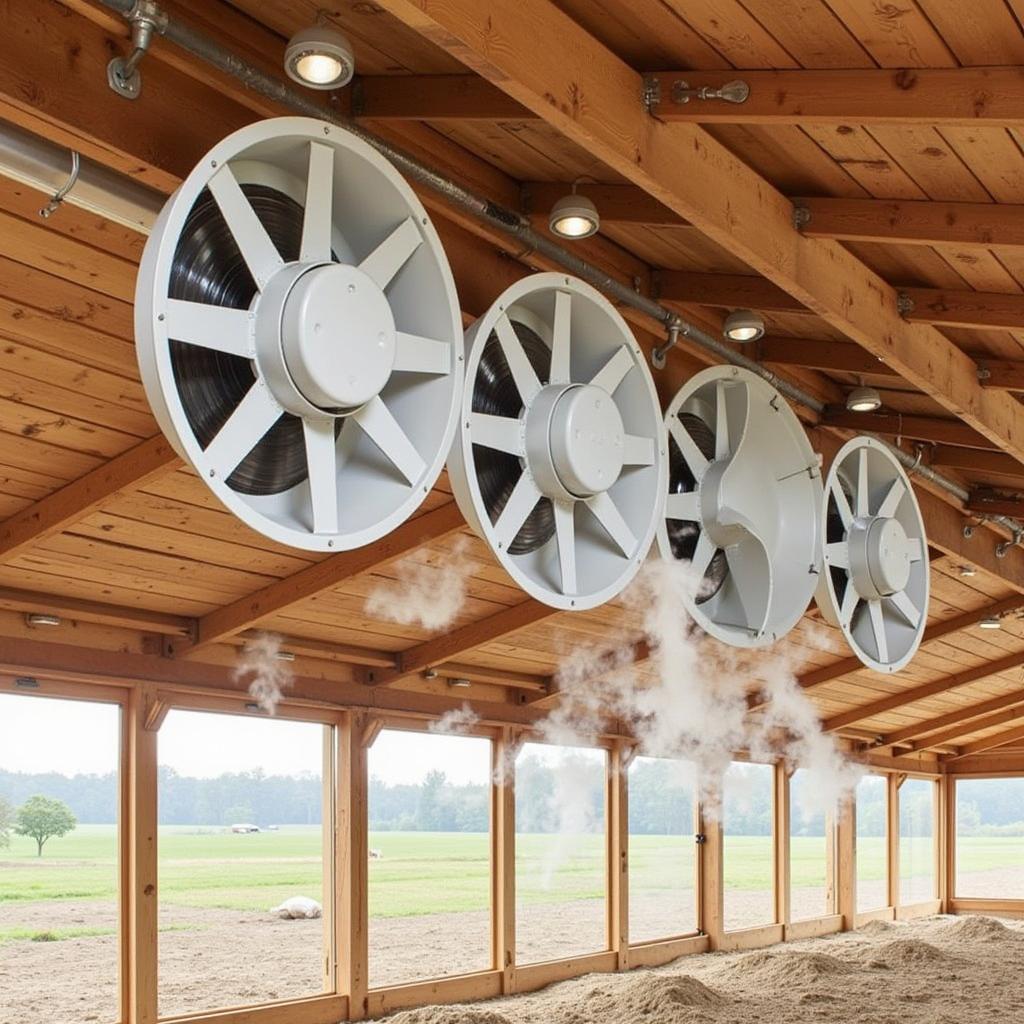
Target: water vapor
(457, 722)
(260, 658)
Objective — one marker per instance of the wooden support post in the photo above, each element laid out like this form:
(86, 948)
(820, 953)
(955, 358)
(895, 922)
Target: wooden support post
(141, 892)
(503, 857)
(618, 853)
(352, 937)
(831, 861)
(781, 820)
(846, 861)
(328, 900)
(710, 869)
(947, 842)
(892, 838)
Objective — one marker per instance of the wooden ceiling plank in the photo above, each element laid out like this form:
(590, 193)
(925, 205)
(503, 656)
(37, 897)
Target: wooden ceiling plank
(999, 739)
(953, 718)
(437, 98)
(970, 726)
(547, 62)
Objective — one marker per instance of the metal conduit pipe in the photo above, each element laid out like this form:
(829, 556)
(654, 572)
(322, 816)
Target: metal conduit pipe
(511, 223)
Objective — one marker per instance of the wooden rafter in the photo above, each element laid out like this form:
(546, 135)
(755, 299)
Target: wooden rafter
(985, 501)
(915, 96)
(436, 98)
(999, 739)
(933, 429)
(1007, 374)
(129, 471)
(968, 728)
(947, 456)
(842, 356)
(728, 291)
(962, 715)
(952, 308)
(550, 64)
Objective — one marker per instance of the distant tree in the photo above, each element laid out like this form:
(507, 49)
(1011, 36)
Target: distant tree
(43, 818)
(6, 822)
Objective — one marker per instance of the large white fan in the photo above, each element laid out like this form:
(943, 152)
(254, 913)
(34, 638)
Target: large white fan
(298, 334)
(743, 506)
(559, 462)
(875, 580)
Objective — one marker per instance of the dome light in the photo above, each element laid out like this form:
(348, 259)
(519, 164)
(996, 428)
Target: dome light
(863, 399)
(743, 325)
(574, 216)
(320, 57)
(990, 622)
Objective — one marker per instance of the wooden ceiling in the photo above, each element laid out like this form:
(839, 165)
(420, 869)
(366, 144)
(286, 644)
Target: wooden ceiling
(897, 129)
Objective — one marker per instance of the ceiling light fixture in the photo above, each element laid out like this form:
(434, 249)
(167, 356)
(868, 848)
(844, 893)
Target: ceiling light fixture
(743, 325)
(863, 399)
(990, 622)
(574, 216)
(967, 571)
(460, 684)
(320, 57)
(41, 619)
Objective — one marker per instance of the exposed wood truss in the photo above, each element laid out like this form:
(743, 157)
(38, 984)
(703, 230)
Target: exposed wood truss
(954, 732)
(964, 719)
(999, 739)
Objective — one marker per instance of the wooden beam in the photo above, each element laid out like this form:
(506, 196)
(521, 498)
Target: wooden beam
(917, 729)
(945, 456)
(934, 429)
(952, 308)
(436, 98)
(1000, 739)
(550, 64)
(129, 471)
(273, 599)
(617, 204)
(918, 96)
(842, 356)
(727, 291)
(998, 226)
(968, 728)
(902, 698)
(460, 642)
(985, 501)
(1007, 374)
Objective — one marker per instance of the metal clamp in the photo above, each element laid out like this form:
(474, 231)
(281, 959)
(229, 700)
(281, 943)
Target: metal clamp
(650, 95)
(145, 18)
(970, 528)
(801, 216)
(1003, 548)
(736, 91)
(904, 304)
(61, 194)
(659, 355)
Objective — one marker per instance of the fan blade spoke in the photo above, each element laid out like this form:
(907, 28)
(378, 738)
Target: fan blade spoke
(702, 555)
(257, 412)
(850, 601)
(842, 504)
(414, 354)
(523, 373)
(892, 500)
(878, 628)
(609, 516)
(611, 375)
(217, 327)
(391, 255)
(637, 451)
(317, 218)
(384, 430)
(501, 433)
(561, 338)
(322, 464)
(751, 574)
(692, 455)
(256, 246)
(521, 502)
(721, 422)
(915, 549)
(682, 506)
(565, 533)
(863, 496)
(902, 603)
(837, 555)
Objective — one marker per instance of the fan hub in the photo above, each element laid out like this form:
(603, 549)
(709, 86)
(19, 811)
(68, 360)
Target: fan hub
(338, 337)
(879, 557)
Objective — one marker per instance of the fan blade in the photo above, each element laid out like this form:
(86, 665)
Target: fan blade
(322, 465)
(317, 218)
(384, 430)
(842, 504)
(216, 327)
(702, 555)
(902, 603)
(863, 495)
(850, 601)
(521, 502)
(637, 451)
(611, 375)
(257, 412)
(257, 248)
(837, 555)
(414, 354)
(609, 516)
(501, 433)
(682, 506)
(721, 421)
(560, 339)
(892, 500)
(523, 373)
(391, 255)
(878, 628)
(565, 532)
(915, 549)
(751, 572)
(692, 455)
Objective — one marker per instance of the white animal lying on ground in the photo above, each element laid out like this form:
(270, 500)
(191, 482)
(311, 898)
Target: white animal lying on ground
(375, 855)
(297, 908)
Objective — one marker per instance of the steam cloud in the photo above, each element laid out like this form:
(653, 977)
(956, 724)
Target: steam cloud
(260, 659)
(430, 596)
(457, 722)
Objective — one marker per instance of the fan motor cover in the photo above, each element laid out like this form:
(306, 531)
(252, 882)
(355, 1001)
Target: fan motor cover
(875, 578)
(559, 459)
(297, 331)
(743, 506)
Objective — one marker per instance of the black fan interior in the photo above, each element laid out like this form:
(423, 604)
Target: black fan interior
(683, 534)
(208, 267)
(494, 392)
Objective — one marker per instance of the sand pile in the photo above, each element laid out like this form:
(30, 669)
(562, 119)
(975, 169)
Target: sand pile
(904, 953)
(640, 996)
(979, 929)
(877, 928)
(448, 1015)
(772, 970)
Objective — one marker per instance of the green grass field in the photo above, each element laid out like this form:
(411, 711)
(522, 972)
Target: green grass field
(424, 873)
